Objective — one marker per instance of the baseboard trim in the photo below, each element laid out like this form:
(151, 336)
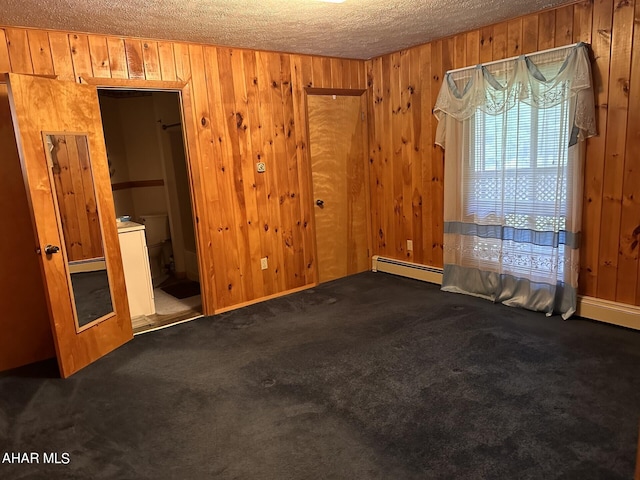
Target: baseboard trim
(606, 311)
(416, 271)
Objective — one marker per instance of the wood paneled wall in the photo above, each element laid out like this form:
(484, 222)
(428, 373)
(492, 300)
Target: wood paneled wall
(407, 169)
(247, 106)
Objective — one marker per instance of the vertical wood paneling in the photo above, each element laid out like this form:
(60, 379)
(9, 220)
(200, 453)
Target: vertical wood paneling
(135, 61)
(167, 61)
(595, 156)
(117, 58)
(407, 140)
(80, 55)
(217, 153)
(564, 26)
(5, 64)
(628, 285)
(617, 109)
(405, 167)
(40, 52)
(414, 90)
(582, 18)
(514, 38)
(62, 63)
(247, 107)
(437, 167)
(301, 68)
(151, 60)
(611, 227)
(99, 56)
(257, 191)
(19, 54)
(500, 41)
(266, 93)
(530, 34)
(473, 48)
(486, 44)
(621, 181)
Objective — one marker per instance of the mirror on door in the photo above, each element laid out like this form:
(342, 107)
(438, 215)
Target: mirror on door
(72, 180)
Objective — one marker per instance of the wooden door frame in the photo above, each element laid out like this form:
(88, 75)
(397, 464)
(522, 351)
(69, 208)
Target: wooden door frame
(189, 134)
(364, 104)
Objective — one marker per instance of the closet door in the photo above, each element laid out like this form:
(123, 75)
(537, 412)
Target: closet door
(59, 135)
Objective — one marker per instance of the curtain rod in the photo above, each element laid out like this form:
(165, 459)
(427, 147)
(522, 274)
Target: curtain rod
(513, 58)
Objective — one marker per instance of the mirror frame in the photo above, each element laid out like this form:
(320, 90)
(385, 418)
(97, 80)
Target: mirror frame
(63, 245)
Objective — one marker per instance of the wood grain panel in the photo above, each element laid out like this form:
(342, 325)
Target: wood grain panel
(564, 26)
(609, 265)
(117, 58)
(617, 110)
(582, 18)
(627, 275)
(301, 74)
(135, 61)
(337, 152)
(24, 310)
(99, 52)
(167, 61)
(81, 56)
(514, 38)
(5, 63)
(547, 30)
(40, 52)
(62, 62)
(595, 156)
(151, 60)
(261, 92)
(19, 53)
(530, 34)
(590, 21)
(500, 32)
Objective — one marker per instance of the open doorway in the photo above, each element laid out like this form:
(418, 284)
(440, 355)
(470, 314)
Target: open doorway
(150, 184)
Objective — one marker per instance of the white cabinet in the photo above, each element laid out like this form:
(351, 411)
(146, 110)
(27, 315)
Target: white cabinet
(137, 274)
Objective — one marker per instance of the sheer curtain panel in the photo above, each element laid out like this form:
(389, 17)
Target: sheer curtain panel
(513, 134)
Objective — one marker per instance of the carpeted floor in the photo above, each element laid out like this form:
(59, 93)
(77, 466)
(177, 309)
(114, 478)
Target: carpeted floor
(368, 377)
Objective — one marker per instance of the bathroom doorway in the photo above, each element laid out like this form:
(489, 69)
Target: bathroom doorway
(151, 193)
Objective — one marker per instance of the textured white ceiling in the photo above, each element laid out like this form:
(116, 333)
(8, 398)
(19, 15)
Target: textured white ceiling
(353, 29)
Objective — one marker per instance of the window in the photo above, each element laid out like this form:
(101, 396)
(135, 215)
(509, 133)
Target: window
(512, 134)
(518, 173)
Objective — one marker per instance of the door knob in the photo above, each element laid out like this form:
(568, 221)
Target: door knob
(320, 203)
(51, 249)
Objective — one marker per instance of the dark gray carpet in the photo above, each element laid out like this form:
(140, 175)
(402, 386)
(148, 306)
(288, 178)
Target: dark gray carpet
(368, 377)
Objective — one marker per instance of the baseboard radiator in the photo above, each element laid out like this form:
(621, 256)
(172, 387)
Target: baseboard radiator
(588, 307)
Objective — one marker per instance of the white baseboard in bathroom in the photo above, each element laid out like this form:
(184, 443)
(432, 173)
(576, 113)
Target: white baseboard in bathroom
(605, 311)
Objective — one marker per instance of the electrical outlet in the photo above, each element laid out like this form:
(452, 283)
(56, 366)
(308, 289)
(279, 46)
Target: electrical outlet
(263, 263)
(409, 245)
(261, 167)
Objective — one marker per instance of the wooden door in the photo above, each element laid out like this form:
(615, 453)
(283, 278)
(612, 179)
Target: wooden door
(338, 163)
(64, 164)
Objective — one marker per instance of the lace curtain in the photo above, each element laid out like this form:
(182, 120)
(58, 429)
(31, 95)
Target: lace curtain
(513, 134)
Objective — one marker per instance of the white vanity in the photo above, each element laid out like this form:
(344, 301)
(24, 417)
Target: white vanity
(137, 274)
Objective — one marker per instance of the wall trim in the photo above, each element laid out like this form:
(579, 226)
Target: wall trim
(606, 311)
